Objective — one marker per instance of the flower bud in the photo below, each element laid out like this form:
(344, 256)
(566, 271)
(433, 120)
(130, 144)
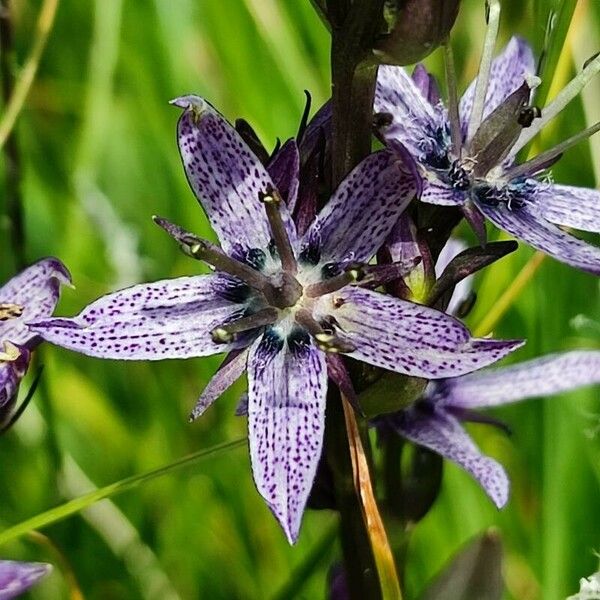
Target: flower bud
(415, 29)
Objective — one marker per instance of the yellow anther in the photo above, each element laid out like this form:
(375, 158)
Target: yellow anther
(10, 311)
(10, 354)
(220, 335)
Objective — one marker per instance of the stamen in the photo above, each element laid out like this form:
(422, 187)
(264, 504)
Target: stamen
(455, 129)
(542, 160)
(10, 354)
(485, 66)
(562, 99)
(10, 311)
(333, 284)
(327, 341)
(228, 333)
(272, 201)
(213, 256)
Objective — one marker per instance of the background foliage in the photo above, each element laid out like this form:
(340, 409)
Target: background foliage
(97, 139)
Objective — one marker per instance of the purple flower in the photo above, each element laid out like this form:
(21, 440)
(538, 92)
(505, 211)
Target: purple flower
(29, 296)
(17, 577)
(279, 303)
(470, 162)
(435, 420)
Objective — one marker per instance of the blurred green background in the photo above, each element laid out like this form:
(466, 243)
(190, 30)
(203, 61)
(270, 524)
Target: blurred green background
(97, 140)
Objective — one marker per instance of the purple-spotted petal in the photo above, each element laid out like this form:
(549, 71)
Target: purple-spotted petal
(443, 434)
(545, 376)
(226, 176)
(11, 373)
(570, 206)
(509, 69)
(150, 321)
(544, 236)
(17, 577)
(284, 170)
(436, 191)
(229, 372)
(364, 208)
(409, 338)
(426, 84)
(416, 123)
(286, 417)
(36, 289)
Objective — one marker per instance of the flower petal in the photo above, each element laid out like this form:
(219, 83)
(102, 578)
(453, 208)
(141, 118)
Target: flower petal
(226, 176)
(11, 373)
(284, 169)
(544, 236)
(570, 206)
(463, 288)
(287, 385)
(363, 209)
(426, 84)
(18, 577)
(443, 434)
(36, 289)
(545, 376)
(229, 372)
(417, 124)
(409, 338)
(509, 69)
(436, 191)
(151, 321)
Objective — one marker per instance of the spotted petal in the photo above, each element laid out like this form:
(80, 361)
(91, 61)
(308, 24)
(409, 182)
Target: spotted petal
(570, 206)
(150, 321)
(17, 577)
(417, 124)
(453, 247)
(524, 224)
(436, 191)
(443, 434)
(226, 176)
(36, 290)
(363, 210)
(409, 338)
(509, 69)
(545, 376)
(11, 373)
(287, 384)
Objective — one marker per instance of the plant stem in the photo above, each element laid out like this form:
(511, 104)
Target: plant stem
(12, 160)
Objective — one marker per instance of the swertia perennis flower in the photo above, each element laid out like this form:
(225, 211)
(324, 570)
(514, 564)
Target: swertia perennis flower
(434, 420)
(468, 160)
(278, 302)
(17, 577)
(29, 296)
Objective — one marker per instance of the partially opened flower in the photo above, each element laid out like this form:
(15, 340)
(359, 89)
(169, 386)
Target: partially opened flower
(17, 577)
(278, 302)
(435, 420)
(31, 295)
(466, 153)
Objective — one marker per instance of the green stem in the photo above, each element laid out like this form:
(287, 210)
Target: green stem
(82, 502)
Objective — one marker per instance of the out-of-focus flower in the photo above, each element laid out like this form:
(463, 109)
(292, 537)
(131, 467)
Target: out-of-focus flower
(280, 302)
(435, 420)
(589, 588)
(471, 163)
(31, 295)
(17, 577)
(416, 29)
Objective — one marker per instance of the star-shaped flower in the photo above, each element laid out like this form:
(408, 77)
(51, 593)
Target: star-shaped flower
(279, 302)
(17, 577)
(434, 421)
(29, 296)
(470, 162)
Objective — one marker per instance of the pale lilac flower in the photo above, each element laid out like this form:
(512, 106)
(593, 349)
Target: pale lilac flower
(279, 302)
(17, 577)
(29, 296)
(435, 420)
(470, 163)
